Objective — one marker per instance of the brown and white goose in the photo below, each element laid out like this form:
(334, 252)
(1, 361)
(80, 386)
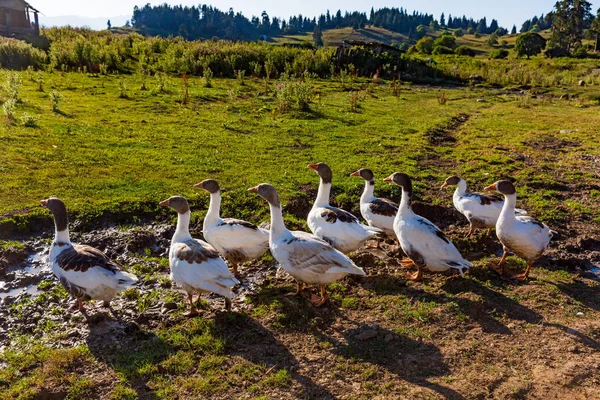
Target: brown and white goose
(338, 227)
(481, 210)
(236, 240)
(84, 271)
(306, 257)
(195, 264)
(524, 236)
(379, 213)
(423, 242)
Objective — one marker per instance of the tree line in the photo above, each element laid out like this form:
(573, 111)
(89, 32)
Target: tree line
(205, 22)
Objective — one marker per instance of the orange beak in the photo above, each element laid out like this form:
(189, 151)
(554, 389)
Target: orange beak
(44, 203)
(491, 187)
(443, 186)
(253, 189)
(198, 185)
(355, 173)
(388, 179)
(312, 166)
(164, 202)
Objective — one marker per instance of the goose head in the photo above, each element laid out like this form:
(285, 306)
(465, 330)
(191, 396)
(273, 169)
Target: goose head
(451, 181)
(504, 187)
(267, 192)
(210, 185)
(364, 173)
(177, 203)
(323, 170)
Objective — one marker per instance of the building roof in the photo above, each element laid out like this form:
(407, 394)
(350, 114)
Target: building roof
(19, 5)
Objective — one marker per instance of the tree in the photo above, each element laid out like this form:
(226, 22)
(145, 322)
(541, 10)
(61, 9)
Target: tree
(318, 36)
(108, 25)
(513, 30)
(459, 32)
(529, 44)
(570, 18)
(434, 25)
(442, 20)
(595, 30)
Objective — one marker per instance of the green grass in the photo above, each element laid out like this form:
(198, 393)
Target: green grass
(106, 155)
(125, 155)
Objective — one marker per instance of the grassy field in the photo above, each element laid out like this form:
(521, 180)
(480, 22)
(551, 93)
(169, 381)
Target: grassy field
(109, 148)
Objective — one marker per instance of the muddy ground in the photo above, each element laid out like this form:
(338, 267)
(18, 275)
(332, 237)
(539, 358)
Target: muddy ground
(380, 336)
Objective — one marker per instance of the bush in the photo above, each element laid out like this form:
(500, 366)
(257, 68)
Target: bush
(442, 50)
(580, 52)
(471, 31)
(459, 32)
(55, 99)
(529, 44)
(16, 54)
(425, 45)
(465, 51)
(30, 121)
(445, 41)
(499, 54)
(8, 108)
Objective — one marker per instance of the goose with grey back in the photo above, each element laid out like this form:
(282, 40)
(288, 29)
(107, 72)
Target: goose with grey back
(84, 271)
(195, 264)
(481, 210)
(379, 213)
(236, 240)
(336, 226)
(423, 242)
(306, 257)
(523, 235)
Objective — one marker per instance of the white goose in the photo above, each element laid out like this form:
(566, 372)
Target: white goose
(306, 257)
(481, 210)
(423, 242)
(236, 240)
(195, 264)
(336, 226)
(84, 271)
(379, 213)
(524, 236)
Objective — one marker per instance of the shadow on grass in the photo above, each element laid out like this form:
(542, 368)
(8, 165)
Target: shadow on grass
(127, 349)
(248, 339)
(579, 291)
(412, 361)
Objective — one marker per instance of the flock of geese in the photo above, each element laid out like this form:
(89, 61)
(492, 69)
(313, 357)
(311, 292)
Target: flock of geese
(317, 258)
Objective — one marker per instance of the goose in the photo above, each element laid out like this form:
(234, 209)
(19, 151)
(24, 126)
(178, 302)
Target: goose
(195, 264)
(84, 271)
(236, 240)
(423, 242)
(306, 257)
(523, 235)
(481, 210)
(336, 226)
(379, 213)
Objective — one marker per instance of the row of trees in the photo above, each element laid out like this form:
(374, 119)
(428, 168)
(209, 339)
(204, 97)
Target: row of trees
(206, 22)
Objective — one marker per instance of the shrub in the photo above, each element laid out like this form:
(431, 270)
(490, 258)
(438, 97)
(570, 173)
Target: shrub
(12, 85)
(123, 89)
(471, 31)
(355, 98)
(492, 40)
(445, 41)
(16, 54)
(29, 120)
(240, 77)
(207, 75)
(465, 51)
(580, 52)
(8, 108)
(425, 45)
(55, 99)
(459, 32)
(499, 54)
(289, 94)
(442, 50)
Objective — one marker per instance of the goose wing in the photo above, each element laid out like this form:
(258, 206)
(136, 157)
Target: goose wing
(383, 207)
(310, 253)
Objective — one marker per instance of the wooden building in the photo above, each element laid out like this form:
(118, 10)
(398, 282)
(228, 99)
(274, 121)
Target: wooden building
(18, 18)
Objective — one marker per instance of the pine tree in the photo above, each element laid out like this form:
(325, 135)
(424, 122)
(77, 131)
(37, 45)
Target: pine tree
(318, 36)
(513, 30)
(442, 20)
(108, 25)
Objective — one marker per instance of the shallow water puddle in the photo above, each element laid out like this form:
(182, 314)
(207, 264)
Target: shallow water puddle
(595, 270)
(26, 277)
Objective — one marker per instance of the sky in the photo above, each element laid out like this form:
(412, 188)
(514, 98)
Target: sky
(507, 12)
